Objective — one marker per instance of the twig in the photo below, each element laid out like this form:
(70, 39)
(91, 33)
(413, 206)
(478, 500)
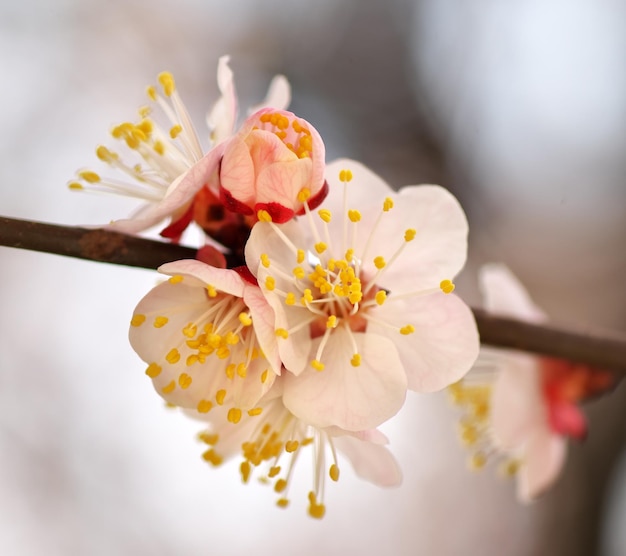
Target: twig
(603, 350)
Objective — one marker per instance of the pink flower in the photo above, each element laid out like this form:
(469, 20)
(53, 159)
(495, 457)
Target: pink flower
(361, 295)
(274, 163)
(529, 408)
(207, 336)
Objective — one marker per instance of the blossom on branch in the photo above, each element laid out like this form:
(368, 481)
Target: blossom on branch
(362, 295)
(521, 407)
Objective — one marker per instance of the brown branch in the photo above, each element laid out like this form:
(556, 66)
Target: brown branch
(602, 350)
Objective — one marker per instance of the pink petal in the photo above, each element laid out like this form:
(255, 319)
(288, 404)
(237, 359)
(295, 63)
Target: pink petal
(505, 295)
(439, 249)
(445, 343)
(180, 193)
(237, 174)
(222, 279)
(263, 322)
(544, 457)
(371, 462)
(352, 398)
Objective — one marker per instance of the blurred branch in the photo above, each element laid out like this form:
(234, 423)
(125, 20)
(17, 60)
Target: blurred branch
(602, 350)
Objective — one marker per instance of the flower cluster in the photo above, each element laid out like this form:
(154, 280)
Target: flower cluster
(322, 297)
(517, 408)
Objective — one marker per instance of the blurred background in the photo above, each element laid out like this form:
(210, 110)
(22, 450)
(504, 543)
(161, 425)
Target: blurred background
(517, 107)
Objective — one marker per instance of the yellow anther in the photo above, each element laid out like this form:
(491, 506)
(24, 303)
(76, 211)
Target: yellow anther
(190, 330)
(317, 365)
(192, 359)
(409, 235)
(356, 360)
(300, 256)
(153, 370)
(509, 468)
(175, 131)
(275, 470)
(160, 322)
(244, 318)
(291, 446)
(349, 255)
(331, 321)
(184, 380)
(477, 461)
(230, 370)
(231, 338)
(255, 411)
(169, 388)
(447, 286)
(173, 356)
(159, 148)
(316, 510)
(264, 376)
(290, 299)
(388, 204)
(354, 215)
(204, 406)
(151, 92)
(468, 434)
(408, 329)
(167, 82)
(307, 297)
(334, 472)
(176, 279)
(325, 215)
(282, 502)
(280, 485)
(137, 320)
(379, 262)
(263, 216)
(242, 370)
(299, 273)
(282, 333)
(211, 290)
(89, 176)
(304, 194)
(265, 260)
(75, 186)
(208, 438)
(212, 457)
(245, 471)
(234, 415)
(105, 154)
(219, 397)
(345, 175)
(380, 297)
(144, 111)
(320, 247)
(270, 283)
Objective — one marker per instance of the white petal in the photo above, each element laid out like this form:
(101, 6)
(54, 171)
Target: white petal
(222, 279)
(544, 458)
(371, 462)
(437, 252)
(445, 343)
(263, 321)
(278, 95)
(221, 119)
(352, 398)
(518, 408)
(505, 295)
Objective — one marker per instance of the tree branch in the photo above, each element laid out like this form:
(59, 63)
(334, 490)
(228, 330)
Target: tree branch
(604, 350)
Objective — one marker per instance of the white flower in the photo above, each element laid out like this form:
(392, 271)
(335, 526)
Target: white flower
(520, 405)
(166, 165)
(271, 442)
(361, 294)
(207, 336)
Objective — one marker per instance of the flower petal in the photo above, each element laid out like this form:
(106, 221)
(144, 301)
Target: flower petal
(445, 343)
(180, 193)
(371, 462)
(544, 457)
(278, 95)
(353, 398)
(225, 280)
(221, 119)
(263, 322)
(504, 294)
